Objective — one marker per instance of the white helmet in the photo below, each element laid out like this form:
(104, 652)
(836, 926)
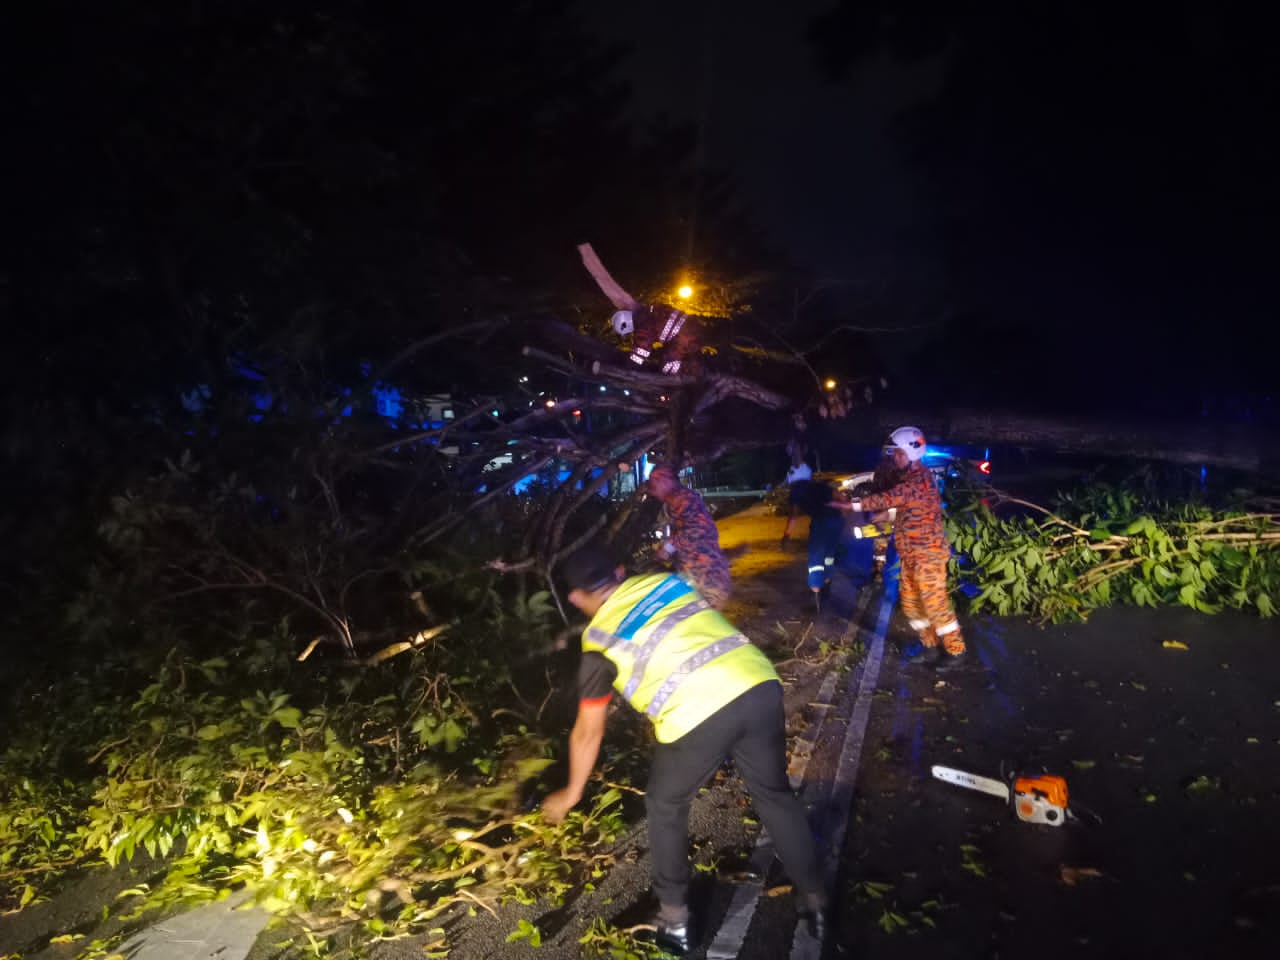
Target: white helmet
(623, 323)
(910, 441)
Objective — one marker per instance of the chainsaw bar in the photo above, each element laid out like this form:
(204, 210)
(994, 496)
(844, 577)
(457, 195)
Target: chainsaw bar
(962, 778)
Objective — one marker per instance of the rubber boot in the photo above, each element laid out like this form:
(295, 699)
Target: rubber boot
(955, 661)
(930, 656)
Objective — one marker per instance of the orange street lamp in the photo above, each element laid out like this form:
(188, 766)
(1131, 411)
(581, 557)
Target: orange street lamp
(685, 292)
(830, 384)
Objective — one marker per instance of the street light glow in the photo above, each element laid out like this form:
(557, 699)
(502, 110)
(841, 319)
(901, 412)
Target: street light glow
(830, 384)
(685, 292)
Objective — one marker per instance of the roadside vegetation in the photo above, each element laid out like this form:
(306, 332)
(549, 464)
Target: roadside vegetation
(262, 678)
(1107, 542)
(259, 681)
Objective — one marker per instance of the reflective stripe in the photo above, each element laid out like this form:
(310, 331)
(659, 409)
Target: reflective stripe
(893, 513)
(951, 627)
(674, 322)
(668, 590)
(681, 673)
(828, 560)
(920, 624)
(857, 533)
(671, 366)
(817, 569)
(602, 638)
(660, 631)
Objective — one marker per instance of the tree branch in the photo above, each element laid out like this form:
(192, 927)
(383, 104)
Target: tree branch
(418, 346)
(608, 286)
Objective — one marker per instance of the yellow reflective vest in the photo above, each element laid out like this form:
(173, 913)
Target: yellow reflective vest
(678, 660)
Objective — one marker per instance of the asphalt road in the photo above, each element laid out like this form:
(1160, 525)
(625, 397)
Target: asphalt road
(1175, 752)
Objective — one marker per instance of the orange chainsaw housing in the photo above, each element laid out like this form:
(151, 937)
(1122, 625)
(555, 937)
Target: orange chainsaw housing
(1053, 789)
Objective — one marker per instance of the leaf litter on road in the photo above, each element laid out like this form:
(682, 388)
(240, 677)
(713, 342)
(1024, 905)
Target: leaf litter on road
(1070, 876)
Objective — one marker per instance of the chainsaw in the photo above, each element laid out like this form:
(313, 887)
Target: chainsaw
(1041, 799)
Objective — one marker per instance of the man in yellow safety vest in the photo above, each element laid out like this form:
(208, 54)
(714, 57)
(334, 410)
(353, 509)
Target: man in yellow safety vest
(710, 693)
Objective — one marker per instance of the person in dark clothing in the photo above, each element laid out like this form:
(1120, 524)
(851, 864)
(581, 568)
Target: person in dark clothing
(812, 497)
(710, 694)
(799, 471)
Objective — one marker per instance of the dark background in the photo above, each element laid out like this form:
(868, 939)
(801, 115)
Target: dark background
(1079, 198)
(1067, 209)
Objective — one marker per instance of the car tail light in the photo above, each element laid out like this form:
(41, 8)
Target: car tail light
(984, 466)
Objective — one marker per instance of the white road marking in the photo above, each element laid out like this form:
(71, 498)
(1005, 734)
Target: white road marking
(803, 946)
(732, 932)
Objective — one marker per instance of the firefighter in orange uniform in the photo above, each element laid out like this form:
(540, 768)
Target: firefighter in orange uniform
(923, 551)
(694, 547)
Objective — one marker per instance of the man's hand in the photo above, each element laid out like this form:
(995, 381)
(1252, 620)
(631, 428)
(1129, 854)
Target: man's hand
(584, 747)
(557, 805)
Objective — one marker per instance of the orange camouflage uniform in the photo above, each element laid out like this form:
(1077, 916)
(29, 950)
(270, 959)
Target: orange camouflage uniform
(698, 557)
(922, 547)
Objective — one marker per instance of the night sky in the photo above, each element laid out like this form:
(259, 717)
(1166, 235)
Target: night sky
(1065, 199)
(813, 158)
(1101, 180)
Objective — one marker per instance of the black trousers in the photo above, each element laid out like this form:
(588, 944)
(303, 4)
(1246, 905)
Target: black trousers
(751, 730)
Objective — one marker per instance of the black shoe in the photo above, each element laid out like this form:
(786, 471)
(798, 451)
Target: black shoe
(928, 657)
(955, 661)
(672, 937)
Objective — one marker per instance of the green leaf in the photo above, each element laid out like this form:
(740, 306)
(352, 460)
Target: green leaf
(532, 766)
(453, 735)
(526, 931)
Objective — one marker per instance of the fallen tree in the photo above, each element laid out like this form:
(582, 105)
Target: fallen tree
(1106, 545)
(324, 506)
(690, 397)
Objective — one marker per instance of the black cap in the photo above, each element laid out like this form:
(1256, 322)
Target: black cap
(590, 568)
